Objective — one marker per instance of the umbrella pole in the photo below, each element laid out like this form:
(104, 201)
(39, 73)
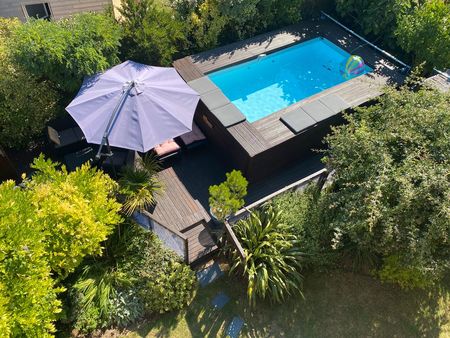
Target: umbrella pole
(108, 129)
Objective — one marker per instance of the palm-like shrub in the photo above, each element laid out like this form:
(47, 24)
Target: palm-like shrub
(139, 185)
(272, 261)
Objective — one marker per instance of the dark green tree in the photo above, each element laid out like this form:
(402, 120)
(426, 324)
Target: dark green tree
(26, 104)
(391, 193)
(151, 34)
(374, 17)
(425, 33)
(65, 51)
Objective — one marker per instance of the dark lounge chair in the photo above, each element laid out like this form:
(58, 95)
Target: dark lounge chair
(194, 138)
(65, 135)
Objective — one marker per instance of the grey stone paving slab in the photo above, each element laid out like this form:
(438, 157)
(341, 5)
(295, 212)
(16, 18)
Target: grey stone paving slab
(318, 111)
(209, 275)
(235, 327)
(228, 115)
(202, 85)
(214, 99)
(220, 300)
(334, 102)
(297, 120)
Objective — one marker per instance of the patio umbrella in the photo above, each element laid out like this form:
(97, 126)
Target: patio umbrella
(134, 106)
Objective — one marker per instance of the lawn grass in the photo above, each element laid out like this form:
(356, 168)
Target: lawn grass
(336, 304)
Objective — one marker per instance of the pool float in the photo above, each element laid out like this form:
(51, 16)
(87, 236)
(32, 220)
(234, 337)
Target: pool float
(354, 66)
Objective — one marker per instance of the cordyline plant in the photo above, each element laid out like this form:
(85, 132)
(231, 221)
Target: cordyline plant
(272, 261)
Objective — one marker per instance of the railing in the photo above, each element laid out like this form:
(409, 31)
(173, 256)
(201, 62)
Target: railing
(366, 41)
(319, 177)
(444, 74)
(231, 236)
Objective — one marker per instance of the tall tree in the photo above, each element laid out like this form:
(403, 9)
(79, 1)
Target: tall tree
(425, 33)
(65, 51)
(26, 104)
(392, 183)
(151, 35)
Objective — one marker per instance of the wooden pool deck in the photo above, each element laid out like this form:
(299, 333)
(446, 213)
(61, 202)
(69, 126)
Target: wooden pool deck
(264, 146)
(183, 216)
(440, 82)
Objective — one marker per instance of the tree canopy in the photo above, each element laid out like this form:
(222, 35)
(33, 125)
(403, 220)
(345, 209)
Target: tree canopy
(392, 185)
(151, 35)
(419, 28)
(425, 33)
(26, 104)
(65, 51)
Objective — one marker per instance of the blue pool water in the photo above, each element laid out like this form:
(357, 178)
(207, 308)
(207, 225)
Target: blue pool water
(263, 86)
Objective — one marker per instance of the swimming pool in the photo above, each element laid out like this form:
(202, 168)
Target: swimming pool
(270, 83)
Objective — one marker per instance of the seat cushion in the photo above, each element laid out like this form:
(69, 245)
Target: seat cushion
(166, 148)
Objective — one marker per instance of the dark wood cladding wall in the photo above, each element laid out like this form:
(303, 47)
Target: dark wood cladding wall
(221, 137)
(293, 149)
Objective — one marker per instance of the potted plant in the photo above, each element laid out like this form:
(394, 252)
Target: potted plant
(227, 197)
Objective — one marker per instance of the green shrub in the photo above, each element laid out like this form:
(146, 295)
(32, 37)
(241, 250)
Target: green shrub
(394, 271)
(165, 292)
(425, 33)
(304, 212)
(135, 277)
(77, 211)
(391, 187)
(273, 262)
(48, 225)
(28, 293)
(163, 282)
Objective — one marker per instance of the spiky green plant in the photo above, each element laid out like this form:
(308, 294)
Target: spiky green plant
(273, 262)
(139, 185)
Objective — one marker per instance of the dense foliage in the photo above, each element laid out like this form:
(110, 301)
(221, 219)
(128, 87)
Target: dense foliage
(420, 28)
(213, 22)
(391, 186)
(272, 260)
(374, 17)
(425, 33)
(26, 104)
(303, 211)
(65, 51)
(135, 277)
(29, 304)
(76, 209)
(151, 35)
(48, 225)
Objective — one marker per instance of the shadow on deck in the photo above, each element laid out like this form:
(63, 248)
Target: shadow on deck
(204, 166)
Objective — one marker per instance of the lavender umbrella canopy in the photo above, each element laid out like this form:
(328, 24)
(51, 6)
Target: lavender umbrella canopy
(134, 106)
